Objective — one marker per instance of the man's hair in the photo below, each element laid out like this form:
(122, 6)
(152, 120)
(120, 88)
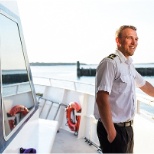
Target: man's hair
(119, 31)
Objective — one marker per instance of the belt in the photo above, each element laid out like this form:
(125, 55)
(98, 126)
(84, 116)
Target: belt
(125, 124)
(122, 124)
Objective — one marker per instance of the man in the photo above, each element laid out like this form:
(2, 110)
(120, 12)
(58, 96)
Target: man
(116, 79)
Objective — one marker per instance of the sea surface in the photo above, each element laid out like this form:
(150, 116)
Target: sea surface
(65, 72)
(69, 72)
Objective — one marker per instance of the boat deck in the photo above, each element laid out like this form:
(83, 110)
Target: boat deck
(143, 134)
(67, 142)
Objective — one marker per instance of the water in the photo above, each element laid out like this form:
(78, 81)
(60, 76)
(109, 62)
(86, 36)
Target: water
(65, 72)
(68, 72)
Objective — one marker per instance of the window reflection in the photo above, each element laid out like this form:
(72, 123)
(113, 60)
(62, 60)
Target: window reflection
(16, 89)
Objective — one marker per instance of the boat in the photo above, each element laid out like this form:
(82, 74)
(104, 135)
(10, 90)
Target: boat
(21, 129)
(33, 109)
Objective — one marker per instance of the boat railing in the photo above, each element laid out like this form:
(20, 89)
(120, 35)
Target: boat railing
(14, 89)
(51, 105)
(67, 84)
(145, 103)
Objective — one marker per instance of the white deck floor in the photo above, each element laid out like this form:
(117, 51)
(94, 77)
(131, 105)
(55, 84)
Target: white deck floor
(143, 131)
(67, 142)
(144, 135)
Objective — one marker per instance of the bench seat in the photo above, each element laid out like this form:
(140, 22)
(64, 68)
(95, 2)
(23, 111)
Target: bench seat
(36, 133)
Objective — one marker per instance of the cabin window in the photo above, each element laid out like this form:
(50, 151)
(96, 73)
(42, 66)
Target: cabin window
(16, 89)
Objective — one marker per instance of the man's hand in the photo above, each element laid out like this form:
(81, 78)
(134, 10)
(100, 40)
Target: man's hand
(111, 136)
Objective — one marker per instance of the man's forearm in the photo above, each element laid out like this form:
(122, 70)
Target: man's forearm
(148, 89)
(105, 114)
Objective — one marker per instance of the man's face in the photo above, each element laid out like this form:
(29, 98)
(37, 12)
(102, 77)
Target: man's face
(128, 42)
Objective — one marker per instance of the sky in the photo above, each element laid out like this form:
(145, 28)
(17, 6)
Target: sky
(84, 30)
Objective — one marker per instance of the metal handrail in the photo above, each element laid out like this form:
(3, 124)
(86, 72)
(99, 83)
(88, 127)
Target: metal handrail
(74, 83)
(16, 86)
(141, 98)
(45, 100)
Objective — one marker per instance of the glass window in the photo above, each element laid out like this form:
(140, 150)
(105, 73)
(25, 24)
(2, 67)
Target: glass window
(17, 98)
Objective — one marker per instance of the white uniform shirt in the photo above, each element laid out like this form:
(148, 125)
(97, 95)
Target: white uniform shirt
(118, 77)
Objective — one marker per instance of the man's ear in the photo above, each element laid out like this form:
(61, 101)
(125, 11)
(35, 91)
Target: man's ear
(118, 42)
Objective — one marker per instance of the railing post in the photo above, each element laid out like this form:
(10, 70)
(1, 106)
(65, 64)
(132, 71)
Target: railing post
(138, 106)
(75, 86)
(50, 81)
(17, 87)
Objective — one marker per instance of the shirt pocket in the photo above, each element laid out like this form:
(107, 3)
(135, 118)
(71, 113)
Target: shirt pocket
(124, 83)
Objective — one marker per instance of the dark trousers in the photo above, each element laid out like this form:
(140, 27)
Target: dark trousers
(123, 143)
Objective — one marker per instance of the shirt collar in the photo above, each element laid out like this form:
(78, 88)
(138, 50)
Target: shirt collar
(123, 58)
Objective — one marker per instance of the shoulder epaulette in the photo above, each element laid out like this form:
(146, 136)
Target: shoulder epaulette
(112, 56)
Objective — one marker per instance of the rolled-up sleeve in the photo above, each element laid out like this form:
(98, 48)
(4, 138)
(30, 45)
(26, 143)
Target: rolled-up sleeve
(139, 80)
(105, 76)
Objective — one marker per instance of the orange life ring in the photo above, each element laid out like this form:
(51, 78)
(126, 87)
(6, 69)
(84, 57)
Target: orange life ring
(74, 126)
(17, 109)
